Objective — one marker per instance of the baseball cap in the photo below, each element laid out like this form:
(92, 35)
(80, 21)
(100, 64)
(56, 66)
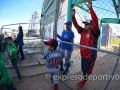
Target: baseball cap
(20, 27)
(68, 23)
(52, 42)
(87, 21)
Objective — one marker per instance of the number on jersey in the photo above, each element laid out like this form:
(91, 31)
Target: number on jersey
(55, 61)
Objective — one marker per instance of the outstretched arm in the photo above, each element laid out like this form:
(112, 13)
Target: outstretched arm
(95, 32)
(66, 38)
(95, 25)
(58, 36)
(94, 20)
(63, 39)
(79, 28)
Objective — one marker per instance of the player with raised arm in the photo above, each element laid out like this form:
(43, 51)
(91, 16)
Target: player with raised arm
(89, 37)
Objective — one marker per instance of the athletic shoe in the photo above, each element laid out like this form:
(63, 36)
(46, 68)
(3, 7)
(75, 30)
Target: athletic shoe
(11, 67)
(83, 83)
(61, 69)
(65, 72)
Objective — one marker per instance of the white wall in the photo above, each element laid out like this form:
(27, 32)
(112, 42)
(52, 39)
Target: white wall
(49, 30)
(61, 25)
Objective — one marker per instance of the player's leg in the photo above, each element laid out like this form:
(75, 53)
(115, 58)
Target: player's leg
(54, 72)
(83, 70)
(91, 67)
(50, 71)
(55, 79)
(62, 56)
(85, 65)
(16, 68)
(21, 52)
(67, 61)
(7, 87)
(12, 86)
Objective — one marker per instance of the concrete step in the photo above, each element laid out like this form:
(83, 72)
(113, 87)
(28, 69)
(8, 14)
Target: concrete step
(28, 71)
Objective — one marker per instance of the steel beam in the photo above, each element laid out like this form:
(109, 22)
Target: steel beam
(116, 9)
(76, 2)
(69, 10)
(110, 20)
(83, 7)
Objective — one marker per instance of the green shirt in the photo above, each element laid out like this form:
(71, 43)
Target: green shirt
(5, 76)
(11, 48)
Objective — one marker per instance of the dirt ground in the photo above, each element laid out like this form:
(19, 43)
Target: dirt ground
(37, 82)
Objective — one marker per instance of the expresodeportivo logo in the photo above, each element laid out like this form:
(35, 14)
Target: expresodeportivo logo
(80, 77)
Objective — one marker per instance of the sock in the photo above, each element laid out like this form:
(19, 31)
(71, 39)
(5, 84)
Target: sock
(55, 86)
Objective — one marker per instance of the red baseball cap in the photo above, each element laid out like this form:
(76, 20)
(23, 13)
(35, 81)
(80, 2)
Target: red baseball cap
(51, 42)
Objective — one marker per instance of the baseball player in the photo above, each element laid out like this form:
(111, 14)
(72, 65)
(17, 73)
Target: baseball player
(66, 49)
(52, 56)
(89, 37)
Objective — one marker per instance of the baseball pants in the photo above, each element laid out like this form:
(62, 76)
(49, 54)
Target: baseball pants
(54, 72)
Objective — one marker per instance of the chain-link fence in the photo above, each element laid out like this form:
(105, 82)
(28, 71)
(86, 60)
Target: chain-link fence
(106, 72)
(109, 41)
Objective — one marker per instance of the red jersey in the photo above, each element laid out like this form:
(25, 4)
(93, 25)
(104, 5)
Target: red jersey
(88, 37)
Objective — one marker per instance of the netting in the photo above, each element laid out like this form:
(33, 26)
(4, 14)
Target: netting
(105, 74)
(108, 41)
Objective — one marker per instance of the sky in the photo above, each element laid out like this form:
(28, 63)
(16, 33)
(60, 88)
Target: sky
(105, 9)
(18, 11)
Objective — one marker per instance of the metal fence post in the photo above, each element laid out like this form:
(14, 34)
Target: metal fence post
(56, 17)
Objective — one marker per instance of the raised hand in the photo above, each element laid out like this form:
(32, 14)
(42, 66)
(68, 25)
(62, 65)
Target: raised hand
(55, 33)
(73, 12)
(89, 5)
